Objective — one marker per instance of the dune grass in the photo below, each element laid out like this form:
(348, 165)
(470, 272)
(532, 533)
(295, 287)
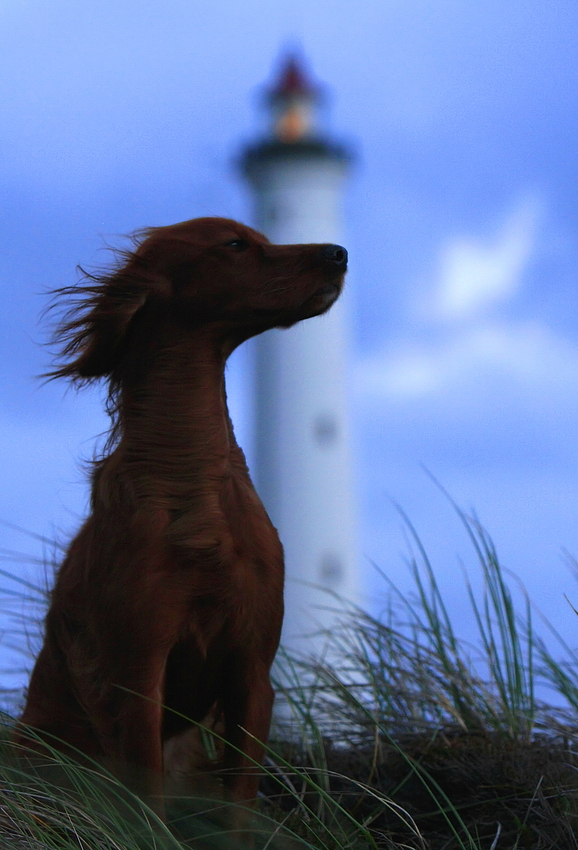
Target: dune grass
(402, 736)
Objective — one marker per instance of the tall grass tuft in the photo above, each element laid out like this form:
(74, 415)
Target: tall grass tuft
(402, 736)
(451, 732)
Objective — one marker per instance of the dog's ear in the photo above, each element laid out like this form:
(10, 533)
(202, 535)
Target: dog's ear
(104, 307)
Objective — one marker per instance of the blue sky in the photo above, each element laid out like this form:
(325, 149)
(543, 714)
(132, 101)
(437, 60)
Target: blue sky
(462, 214)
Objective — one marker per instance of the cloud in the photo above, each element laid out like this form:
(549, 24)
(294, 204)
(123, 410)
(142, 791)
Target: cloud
(527, 354)
(475, 274)
(462, 342)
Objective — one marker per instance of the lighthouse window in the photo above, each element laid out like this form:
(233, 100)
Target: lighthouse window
(272, 214)
(331, 568)
(325, 429)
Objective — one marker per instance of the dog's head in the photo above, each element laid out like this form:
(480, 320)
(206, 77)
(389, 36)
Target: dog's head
(210, 272)
(222, 271)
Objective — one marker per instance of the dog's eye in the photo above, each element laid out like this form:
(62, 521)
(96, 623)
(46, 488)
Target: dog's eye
(238, 244)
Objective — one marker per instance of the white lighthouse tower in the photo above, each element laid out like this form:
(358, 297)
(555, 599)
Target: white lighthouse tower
(303, 465)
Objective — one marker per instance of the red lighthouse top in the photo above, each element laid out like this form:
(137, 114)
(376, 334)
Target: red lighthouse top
(292, 101)
(292, 104)
(293, 83)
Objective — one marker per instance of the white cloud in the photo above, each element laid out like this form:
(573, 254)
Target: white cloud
(473, 346)
(526, 353)
(475, 274)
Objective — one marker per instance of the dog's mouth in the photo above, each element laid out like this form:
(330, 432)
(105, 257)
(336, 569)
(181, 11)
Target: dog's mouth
(323, 298)
(314, 305)
(328, 289)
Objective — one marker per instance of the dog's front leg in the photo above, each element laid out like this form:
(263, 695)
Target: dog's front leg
(247, 707)
(140, 747)
(130, 728)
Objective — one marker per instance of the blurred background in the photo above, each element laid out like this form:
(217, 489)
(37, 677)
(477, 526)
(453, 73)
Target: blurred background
(462, 223)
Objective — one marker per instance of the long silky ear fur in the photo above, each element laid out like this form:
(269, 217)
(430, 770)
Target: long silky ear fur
(94, 328)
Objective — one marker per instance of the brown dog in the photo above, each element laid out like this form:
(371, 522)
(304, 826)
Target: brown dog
(170, 599)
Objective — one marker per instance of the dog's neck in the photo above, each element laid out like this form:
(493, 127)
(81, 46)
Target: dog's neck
(175, 426)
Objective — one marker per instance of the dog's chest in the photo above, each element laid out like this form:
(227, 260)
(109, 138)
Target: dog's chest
(254, 536)
(237, 594)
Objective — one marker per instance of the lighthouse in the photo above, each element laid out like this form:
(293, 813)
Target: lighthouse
(302, 453)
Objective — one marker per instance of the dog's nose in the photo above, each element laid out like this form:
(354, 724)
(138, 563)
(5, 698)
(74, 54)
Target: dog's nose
(335, 254)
